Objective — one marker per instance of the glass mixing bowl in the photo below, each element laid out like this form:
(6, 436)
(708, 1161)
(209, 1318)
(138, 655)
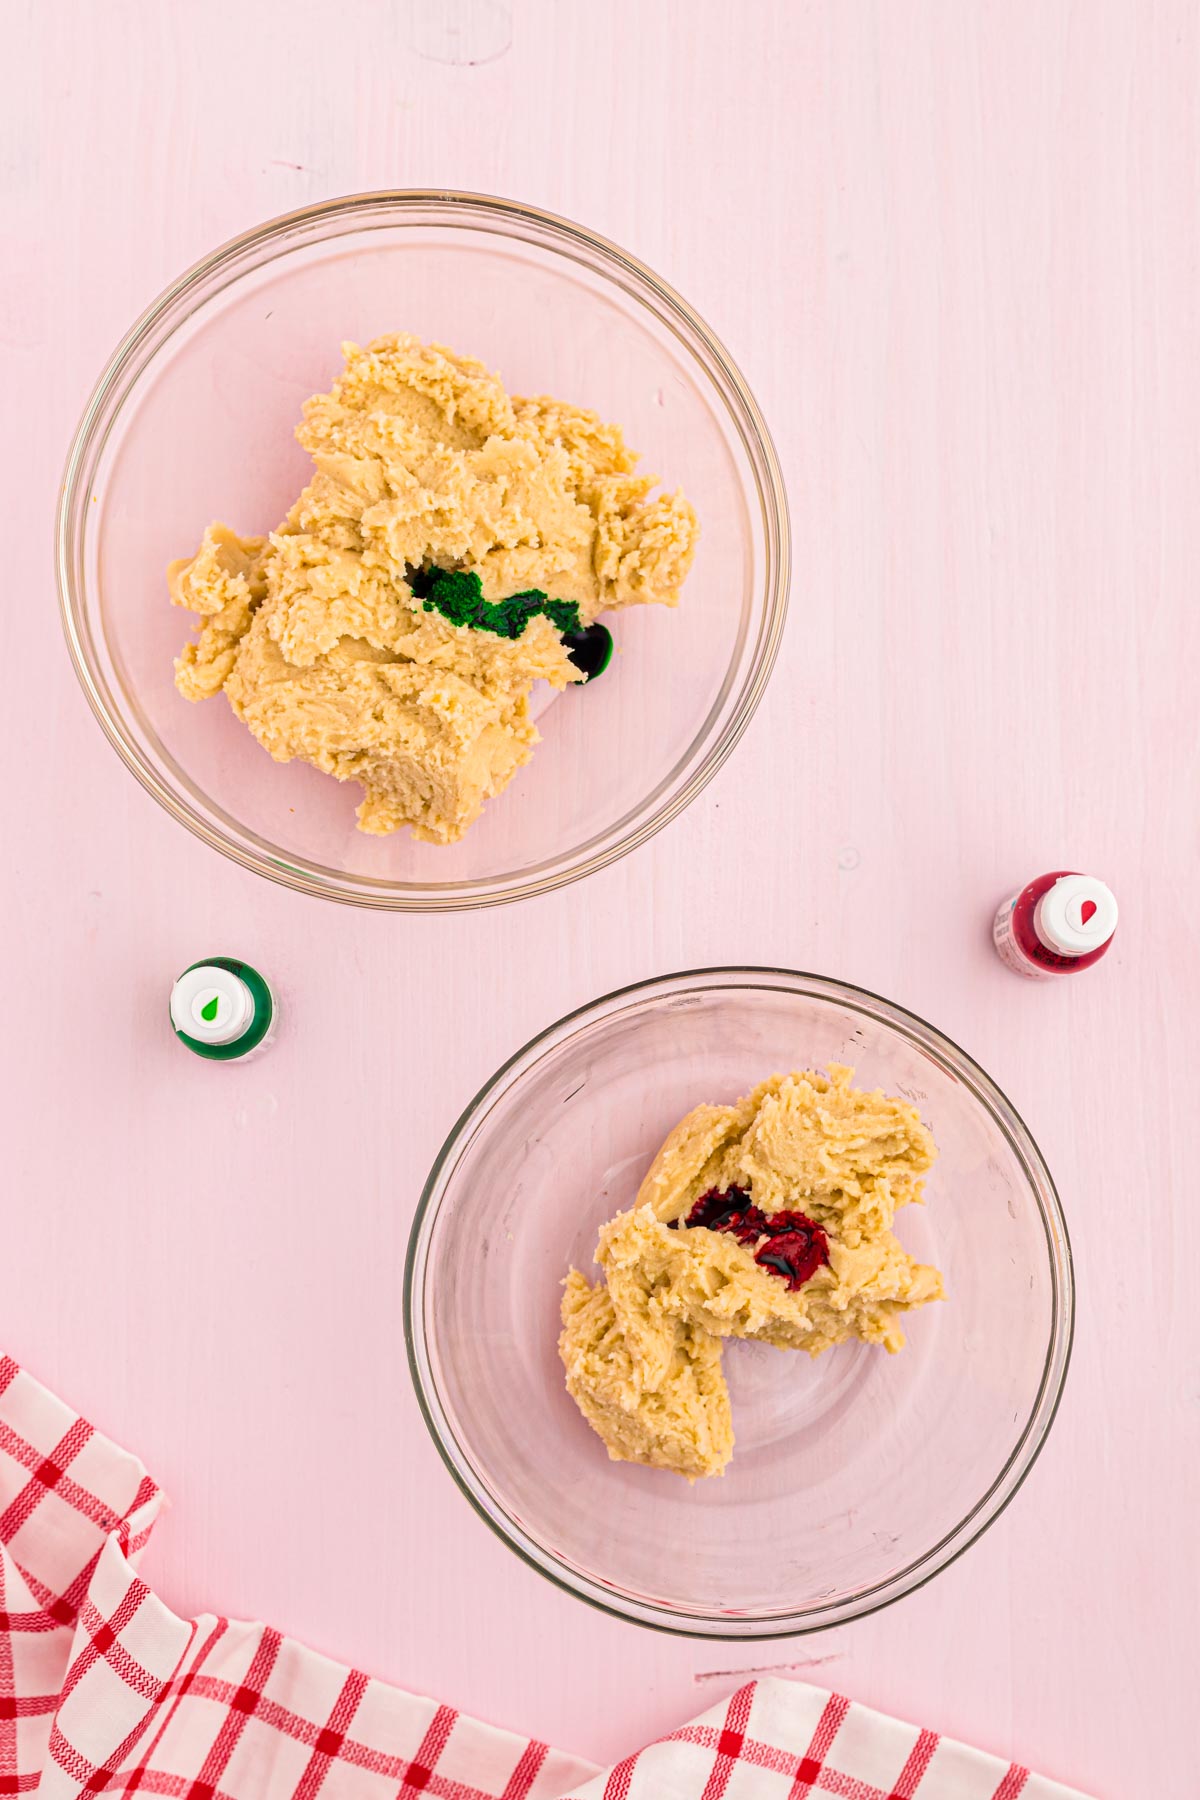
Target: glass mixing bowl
(858, 1475)
(193, 421)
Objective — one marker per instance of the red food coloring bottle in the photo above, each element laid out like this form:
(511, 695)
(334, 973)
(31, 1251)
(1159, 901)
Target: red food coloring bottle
(1060, 923)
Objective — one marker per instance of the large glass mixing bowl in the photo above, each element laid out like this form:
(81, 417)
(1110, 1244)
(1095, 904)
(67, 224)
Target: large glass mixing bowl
(856, 1476)
(193, 421)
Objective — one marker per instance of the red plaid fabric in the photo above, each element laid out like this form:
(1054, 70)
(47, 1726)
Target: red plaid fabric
(104, 1690)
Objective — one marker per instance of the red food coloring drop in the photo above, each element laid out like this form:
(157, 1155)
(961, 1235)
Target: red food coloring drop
(793, 1246)
(796, 1248)
(731, 1210)
(1086, 911)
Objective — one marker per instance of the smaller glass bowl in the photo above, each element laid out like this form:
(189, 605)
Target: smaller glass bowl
(857, 1476)
(193, 420)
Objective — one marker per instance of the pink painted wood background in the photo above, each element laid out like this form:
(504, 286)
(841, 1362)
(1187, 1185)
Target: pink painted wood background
(955, 247)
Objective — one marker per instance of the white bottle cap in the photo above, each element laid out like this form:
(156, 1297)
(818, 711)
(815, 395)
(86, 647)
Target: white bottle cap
(211, 1005)
(1076, 915)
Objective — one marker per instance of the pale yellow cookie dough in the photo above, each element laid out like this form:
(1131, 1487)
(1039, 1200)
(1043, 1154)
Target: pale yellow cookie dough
(642, 1348)
(422, 458)
(677, 1417)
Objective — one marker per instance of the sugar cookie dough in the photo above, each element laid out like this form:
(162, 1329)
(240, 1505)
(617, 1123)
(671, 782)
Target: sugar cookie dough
(769, 1219)
(423, 461)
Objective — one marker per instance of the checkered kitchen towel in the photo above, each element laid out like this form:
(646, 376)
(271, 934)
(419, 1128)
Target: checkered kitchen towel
(104, 1689)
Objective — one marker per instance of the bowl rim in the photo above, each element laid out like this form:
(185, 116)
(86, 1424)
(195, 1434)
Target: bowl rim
(118, 382)
(1001, 1490)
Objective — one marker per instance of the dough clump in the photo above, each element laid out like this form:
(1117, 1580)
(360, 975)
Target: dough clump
(422, 459)
(642, 1347)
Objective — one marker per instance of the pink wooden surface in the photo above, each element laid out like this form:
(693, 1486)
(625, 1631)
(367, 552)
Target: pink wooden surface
(955, 248)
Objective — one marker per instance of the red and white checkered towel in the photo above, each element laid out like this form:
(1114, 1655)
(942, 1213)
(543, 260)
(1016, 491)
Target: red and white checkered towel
(104, 1689)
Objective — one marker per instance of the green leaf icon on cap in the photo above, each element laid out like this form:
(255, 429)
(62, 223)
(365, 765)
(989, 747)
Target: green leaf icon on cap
(208, 1012)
